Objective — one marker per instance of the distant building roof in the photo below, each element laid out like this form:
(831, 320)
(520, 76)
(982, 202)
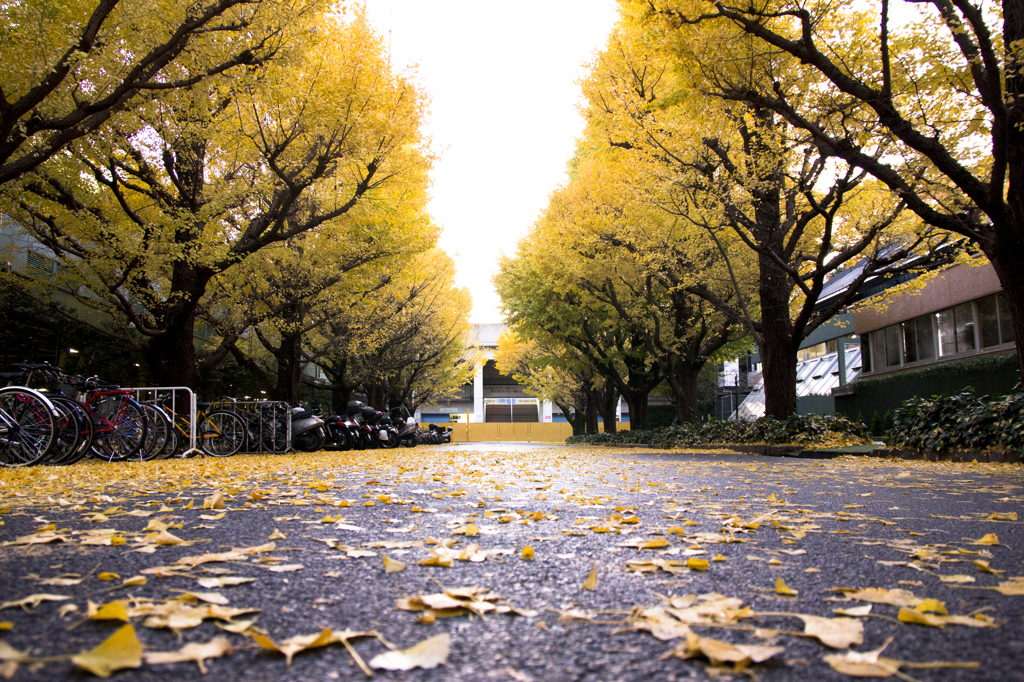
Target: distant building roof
(817, 376)
(486, 335)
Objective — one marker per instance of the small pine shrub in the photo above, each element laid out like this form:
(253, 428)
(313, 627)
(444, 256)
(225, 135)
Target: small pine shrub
(877, 425)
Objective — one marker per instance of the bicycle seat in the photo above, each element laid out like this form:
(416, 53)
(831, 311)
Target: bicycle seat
(202, 406)
(33, 365)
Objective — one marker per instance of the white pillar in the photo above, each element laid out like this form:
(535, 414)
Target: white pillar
(546, 411)
(478, 395)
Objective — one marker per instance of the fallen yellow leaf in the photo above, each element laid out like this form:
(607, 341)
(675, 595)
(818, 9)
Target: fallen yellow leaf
(429, 653)
(215, 501)
(115, 610)
(119, 651)
(782, 588)
(932, 606)
(591, 582)
(215, 648)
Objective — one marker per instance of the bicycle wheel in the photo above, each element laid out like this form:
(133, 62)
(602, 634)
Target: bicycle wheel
(173, 443)
(69, 432)
(27, 427)
(84, 444)
(158, 433)
(121, 430)
(221, 433)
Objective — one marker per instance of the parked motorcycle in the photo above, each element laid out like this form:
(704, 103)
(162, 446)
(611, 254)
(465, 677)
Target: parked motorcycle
(443, 432)
(339, 433)
(308, 432)
(405, 425)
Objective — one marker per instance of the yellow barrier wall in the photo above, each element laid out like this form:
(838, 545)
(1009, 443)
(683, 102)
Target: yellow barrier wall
(521, 432)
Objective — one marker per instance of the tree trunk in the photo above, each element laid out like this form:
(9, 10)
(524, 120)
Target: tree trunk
(684, 391)
(289, 369)
(374, 396)
(1005, 253)
(590, 413)
(639, 419)
(779, 377)
(172, 355)
(574, 416)
(606, 399)
(1011, 277)
(340, 395)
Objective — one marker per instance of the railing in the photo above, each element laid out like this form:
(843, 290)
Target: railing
(268, 422)
(149, 394)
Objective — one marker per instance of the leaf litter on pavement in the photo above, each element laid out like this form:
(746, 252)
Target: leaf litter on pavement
(482, 508)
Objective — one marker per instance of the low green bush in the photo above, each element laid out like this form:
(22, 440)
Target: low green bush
(810, 429)
(960, 422)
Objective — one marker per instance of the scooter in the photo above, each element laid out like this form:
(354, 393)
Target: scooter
(444, 433)
(405, 426)
(308, 432)
(339, 433)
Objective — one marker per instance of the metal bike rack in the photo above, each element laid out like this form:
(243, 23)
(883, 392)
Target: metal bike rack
(263, 415)
(152, 393)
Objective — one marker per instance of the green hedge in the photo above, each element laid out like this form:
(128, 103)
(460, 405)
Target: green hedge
(986, 374)
(661, 415)
(960, 422)
(808, 429)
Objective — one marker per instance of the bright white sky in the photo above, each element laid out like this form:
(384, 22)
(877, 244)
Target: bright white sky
(504, 118)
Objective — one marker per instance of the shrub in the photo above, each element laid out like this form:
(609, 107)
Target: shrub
(810, 429)
(877, 428)
(961, 421)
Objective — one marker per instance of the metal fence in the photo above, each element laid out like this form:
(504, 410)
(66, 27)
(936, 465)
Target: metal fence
(179, 402)
(268, 423)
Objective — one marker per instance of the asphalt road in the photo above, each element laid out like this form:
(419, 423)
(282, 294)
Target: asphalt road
(848, 523)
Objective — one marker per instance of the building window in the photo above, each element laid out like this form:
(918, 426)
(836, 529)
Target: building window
(892, 346)
(963, 315)
(878, 350)
(984, 323)
(925, 338)
(40, 266)
(910, 340)
(1005, 323)
(947, 332)
(994, 323)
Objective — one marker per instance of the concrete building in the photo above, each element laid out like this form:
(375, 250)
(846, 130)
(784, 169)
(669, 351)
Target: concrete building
(493, 396)
(959, 320)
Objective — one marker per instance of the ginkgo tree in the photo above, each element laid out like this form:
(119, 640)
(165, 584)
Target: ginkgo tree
(783, 216)
(404, 340)
(177, 193)
(637, 259)
(303, 284)
(545, 302)
(923, 96)
(67, 68)
(559, 374)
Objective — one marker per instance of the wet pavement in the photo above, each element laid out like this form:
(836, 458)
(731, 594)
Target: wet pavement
(641, 522)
